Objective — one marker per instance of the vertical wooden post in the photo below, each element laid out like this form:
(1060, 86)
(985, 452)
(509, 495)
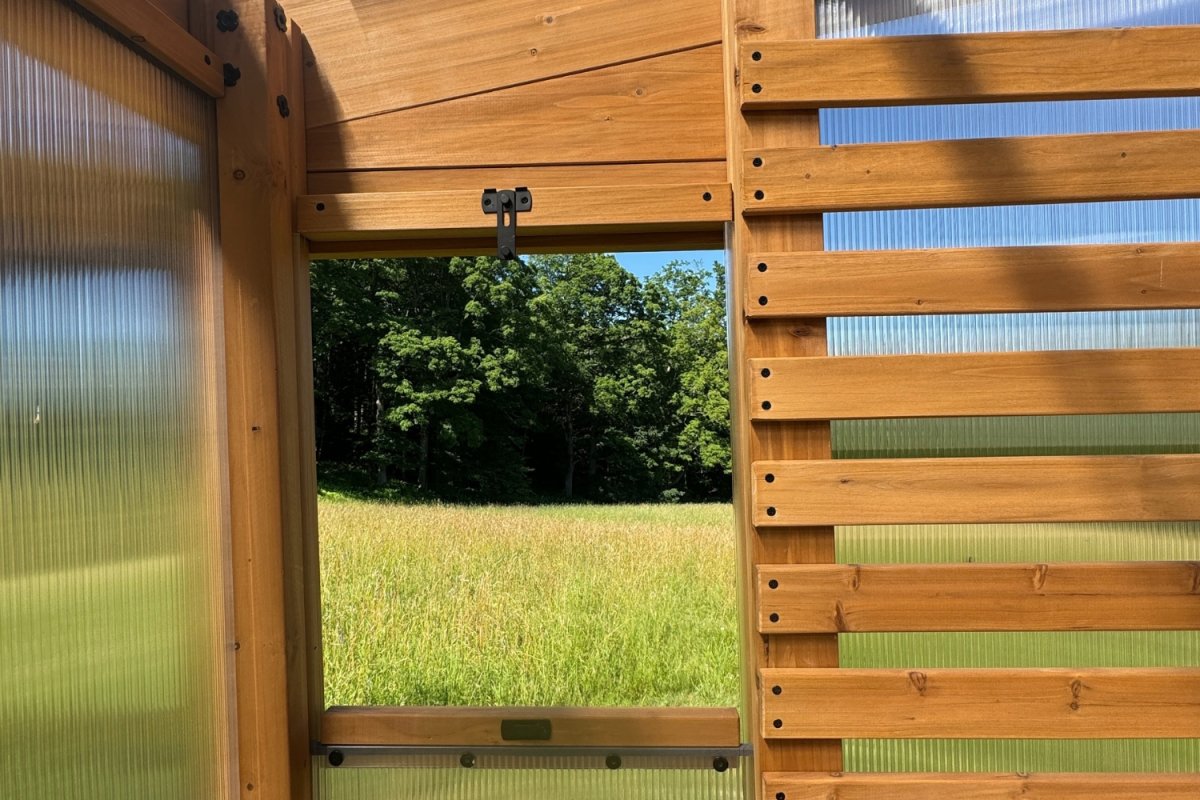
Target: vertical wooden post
(747, 21)
(266, 343)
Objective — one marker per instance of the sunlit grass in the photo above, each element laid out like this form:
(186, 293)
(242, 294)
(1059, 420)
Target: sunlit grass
(557, 605)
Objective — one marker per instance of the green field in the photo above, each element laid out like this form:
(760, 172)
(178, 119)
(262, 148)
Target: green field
(553, 605)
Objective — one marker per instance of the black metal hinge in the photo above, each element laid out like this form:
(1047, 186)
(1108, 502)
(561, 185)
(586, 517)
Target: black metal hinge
(506, 205)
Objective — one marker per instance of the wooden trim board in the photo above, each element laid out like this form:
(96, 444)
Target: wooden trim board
(981, 703)
(754, 21)
(971, 172)
(974, 280)
(448, 246)
(970, 490)
(667, 108)
(982, 786)
(556, 211)
(972, 68)
(571, 727)
(886, 598)
(976, 384)
(151, 29)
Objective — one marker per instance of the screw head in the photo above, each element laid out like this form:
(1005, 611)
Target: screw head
(336, 758)
(613, 761)
(467, 760)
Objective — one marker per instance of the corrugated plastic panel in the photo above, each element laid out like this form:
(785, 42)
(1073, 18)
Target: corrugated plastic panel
(114, 679)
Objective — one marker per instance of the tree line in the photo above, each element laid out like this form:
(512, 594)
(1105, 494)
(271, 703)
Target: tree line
(550, 379)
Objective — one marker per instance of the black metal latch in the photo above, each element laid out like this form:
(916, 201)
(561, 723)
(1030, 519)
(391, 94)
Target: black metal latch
(506, 205)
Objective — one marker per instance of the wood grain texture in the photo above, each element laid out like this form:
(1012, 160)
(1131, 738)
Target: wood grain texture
(371, 58)
(971, 280)
(707, 239)
(478, 178)
(746, 21)
(981, 703)
(257, 242)
(976, 384)
(979, 597)
(571, 727)
(298, 450)
(668, 108)
(177, 10)
(983, 786)
(158, 29)
(970, 490)
(972, 68)
(556, 211)
(972, 172)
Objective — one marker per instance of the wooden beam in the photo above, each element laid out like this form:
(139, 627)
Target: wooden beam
(972, 68)
(971, 172)
(570, 727)
(969, 490)
(712, 239)
(981, 703)
(667, 108)
(298, 449)
(882, 598)
(556, 211)
(609, 176)
(153, 30)
(976, 384)
(257, 249)
(962, 281)
(377, 57)
(754, 21)
(983, 786)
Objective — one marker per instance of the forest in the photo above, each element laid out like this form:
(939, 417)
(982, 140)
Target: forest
(548, 379)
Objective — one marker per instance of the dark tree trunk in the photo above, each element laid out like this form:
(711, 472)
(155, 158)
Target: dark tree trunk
(569, 480)
(423, 466)
(381, 467)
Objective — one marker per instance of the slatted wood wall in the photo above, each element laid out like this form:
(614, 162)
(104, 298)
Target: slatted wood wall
(611, 112)
(788, 389)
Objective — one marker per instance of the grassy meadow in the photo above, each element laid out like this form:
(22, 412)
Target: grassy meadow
(552, 605)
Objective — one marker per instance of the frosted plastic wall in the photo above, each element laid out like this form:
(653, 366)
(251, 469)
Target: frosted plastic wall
(987, 227)
(529, 778)
(113, 651)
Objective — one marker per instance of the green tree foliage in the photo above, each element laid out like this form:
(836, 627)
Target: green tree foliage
(558, 377)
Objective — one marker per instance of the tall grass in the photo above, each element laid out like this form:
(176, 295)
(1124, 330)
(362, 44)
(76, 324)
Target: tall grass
(560, 605)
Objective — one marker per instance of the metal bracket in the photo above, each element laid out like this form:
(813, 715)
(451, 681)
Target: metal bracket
(506, 205)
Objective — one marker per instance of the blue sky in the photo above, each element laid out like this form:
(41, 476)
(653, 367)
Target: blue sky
(644, 264)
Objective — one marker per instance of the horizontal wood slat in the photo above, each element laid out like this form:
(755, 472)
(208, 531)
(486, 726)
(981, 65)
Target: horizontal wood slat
(972, 68)
(977, 490)
(610, 176)
(883, 598)
(572, 727)
(152, 29)
(972, 172)
(370, 58)
(556, 210)
(981, 703)
(960, 281)
(669, 108)
(707, 239)
(982, 786)
(977, 384)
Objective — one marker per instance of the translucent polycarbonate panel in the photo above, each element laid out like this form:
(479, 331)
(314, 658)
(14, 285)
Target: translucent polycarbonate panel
(853, 18)
(1116, 222)
(865, 18)
(114, 679)
(530, 778)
